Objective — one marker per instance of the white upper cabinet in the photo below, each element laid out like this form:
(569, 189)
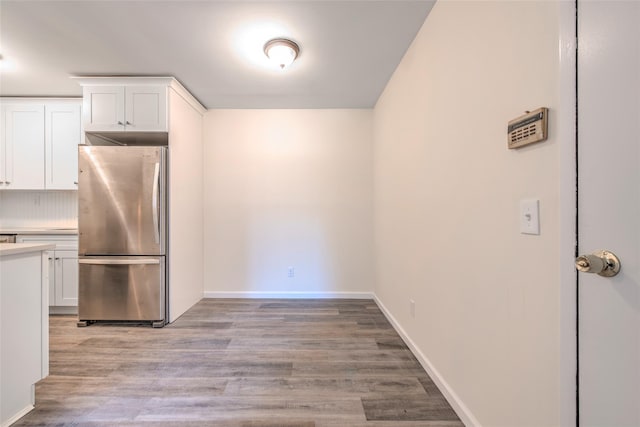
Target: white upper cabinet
(127, 108)
(22, 147)
(39, 144)
(103, 108)
(63, 133)
(145, 108)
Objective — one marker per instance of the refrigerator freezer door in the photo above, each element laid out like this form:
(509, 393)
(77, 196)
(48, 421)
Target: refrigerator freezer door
(121, 288)
(121, 200)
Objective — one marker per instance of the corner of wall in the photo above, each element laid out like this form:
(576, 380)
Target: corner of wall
(446, 203)
(463, 412)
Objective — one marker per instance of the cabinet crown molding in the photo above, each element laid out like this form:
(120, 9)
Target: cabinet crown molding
(40, 99)
(168, 81)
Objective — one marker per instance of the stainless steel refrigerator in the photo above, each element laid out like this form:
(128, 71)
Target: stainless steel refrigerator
(122, 225)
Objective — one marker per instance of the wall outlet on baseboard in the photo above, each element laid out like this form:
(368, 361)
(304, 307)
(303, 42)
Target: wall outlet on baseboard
(412, 308)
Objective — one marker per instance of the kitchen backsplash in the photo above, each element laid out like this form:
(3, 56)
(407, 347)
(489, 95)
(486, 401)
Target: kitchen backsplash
(38, 208)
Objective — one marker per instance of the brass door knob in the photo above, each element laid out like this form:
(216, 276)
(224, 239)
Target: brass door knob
(603, 263)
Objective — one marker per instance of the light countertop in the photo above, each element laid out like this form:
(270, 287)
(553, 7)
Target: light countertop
(20, 248)
(38, 230)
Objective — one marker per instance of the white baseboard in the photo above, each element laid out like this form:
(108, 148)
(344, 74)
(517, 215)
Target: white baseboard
(17, 416)
(454, 400)
(300, 295)
(63, 310)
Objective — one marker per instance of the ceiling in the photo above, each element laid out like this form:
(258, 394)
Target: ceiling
(349, 49)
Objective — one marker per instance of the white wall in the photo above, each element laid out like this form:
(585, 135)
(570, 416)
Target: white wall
(186, 261)
(288, 188)
(38, 208)
(447, 194)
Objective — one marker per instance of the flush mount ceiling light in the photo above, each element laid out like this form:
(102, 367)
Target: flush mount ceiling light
(281, 51)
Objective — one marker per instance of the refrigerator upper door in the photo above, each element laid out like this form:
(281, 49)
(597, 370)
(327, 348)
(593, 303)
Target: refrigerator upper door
(121, 200)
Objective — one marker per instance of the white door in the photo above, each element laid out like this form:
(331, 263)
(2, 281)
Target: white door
(609, 211)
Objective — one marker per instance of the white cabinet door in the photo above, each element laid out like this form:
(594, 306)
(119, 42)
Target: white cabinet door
(3, 146)
(22, 147)
(146, 108)
(103, 108)
(52, 276)
(66, 278)
(63, 267)
(125, 108)
(62, 136)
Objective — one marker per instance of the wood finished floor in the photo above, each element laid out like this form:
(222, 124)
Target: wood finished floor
(240, 363)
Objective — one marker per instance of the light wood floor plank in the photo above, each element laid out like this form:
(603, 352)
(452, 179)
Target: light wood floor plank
(240, 363)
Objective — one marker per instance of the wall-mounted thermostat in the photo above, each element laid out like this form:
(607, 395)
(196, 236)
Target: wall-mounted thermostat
(527, 129)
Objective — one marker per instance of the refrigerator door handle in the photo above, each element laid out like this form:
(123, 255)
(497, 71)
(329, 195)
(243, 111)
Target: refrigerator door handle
(118, 261)
(154, 203)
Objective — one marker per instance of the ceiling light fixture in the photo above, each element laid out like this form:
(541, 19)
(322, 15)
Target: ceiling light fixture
(281, 51)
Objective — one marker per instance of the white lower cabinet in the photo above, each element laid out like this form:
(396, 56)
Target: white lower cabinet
(24, 332)
(63, 268)
(63, 278)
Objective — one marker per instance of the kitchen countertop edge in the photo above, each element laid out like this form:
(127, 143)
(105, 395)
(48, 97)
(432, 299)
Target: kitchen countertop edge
(21, 248)
(24, 231)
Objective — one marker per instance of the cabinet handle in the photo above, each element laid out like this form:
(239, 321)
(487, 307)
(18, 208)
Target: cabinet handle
(50, 258)
(7, 182)
(120, 123)
(75, 182)
(128, 122)
(57, 258)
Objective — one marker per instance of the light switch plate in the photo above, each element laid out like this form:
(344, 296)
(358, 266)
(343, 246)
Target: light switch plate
(530, 216)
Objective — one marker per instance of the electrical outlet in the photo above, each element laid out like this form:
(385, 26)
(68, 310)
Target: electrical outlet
(291, 272)
(412, 308)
